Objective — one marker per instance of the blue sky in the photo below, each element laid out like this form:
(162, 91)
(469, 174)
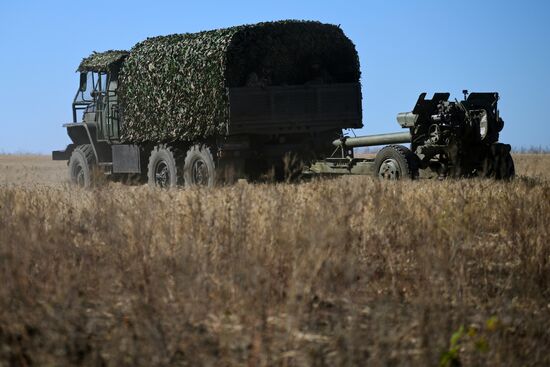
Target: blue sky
(405, 48)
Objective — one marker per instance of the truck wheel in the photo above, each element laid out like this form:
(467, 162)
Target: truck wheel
(81, 163)
(199, 168)
(162, 170)
(395, 162)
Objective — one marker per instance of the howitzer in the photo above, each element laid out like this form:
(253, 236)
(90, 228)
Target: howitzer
(447, 139)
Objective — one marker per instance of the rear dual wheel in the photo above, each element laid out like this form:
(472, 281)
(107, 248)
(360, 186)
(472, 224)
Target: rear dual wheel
(166, 169)
(198, 167)
(162, 171)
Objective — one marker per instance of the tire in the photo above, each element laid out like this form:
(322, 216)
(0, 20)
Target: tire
(162, 169)
(199, 168)
(498, 164)
(505, 169)
(81, 165)
(395, 162)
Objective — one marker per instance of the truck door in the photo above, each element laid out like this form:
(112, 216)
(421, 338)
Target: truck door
(107, 106)
(111, 108)
(100, 99)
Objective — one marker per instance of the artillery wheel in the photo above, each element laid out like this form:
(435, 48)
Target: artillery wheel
(507, 170)
(199, 168)
(81, 164)
(395, 162)
(162, 169)
(499, 163)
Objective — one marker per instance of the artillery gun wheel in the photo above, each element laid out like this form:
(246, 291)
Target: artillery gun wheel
(499, 164)
(507, 169)
(162, 168)
(81, 164)
(395, 162)
(199, 168)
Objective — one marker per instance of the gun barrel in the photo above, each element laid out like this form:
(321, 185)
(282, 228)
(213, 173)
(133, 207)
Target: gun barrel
(373, 140)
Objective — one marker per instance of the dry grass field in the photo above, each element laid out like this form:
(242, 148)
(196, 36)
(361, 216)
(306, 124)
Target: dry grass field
(31, 170)
(336, 272)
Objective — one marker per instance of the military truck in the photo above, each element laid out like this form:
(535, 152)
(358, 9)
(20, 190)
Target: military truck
(196, 109)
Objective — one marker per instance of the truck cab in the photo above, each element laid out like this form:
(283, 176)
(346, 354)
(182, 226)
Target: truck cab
(95, 107)
(96, 103)
(266, 122)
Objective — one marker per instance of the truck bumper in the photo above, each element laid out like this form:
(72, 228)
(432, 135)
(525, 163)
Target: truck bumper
(63, 155)
(60, 155)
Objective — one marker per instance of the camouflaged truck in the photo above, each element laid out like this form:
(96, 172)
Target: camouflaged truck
(200, 108)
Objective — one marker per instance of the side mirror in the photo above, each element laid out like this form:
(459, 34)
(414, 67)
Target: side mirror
(83, 82)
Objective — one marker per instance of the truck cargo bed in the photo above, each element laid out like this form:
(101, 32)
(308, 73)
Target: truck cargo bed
(294, 109)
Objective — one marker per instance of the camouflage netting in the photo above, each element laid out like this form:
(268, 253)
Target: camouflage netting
(175, 87)
(100, 61)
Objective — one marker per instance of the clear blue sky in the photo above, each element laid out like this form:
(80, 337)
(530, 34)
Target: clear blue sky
(405, 47)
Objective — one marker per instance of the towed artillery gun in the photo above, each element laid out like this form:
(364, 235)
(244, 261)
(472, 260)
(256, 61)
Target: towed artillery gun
(447, 139)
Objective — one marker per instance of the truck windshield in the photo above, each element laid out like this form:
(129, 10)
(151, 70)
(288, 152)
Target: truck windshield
(86, 100)
(95, 86)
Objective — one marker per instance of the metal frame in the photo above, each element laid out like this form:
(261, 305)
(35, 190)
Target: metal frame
(83, 103)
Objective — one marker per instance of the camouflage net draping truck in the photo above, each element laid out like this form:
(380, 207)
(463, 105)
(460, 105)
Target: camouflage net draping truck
(194, 109)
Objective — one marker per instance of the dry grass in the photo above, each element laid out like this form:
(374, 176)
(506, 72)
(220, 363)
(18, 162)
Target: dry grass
(533, 165)
(350, 271)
